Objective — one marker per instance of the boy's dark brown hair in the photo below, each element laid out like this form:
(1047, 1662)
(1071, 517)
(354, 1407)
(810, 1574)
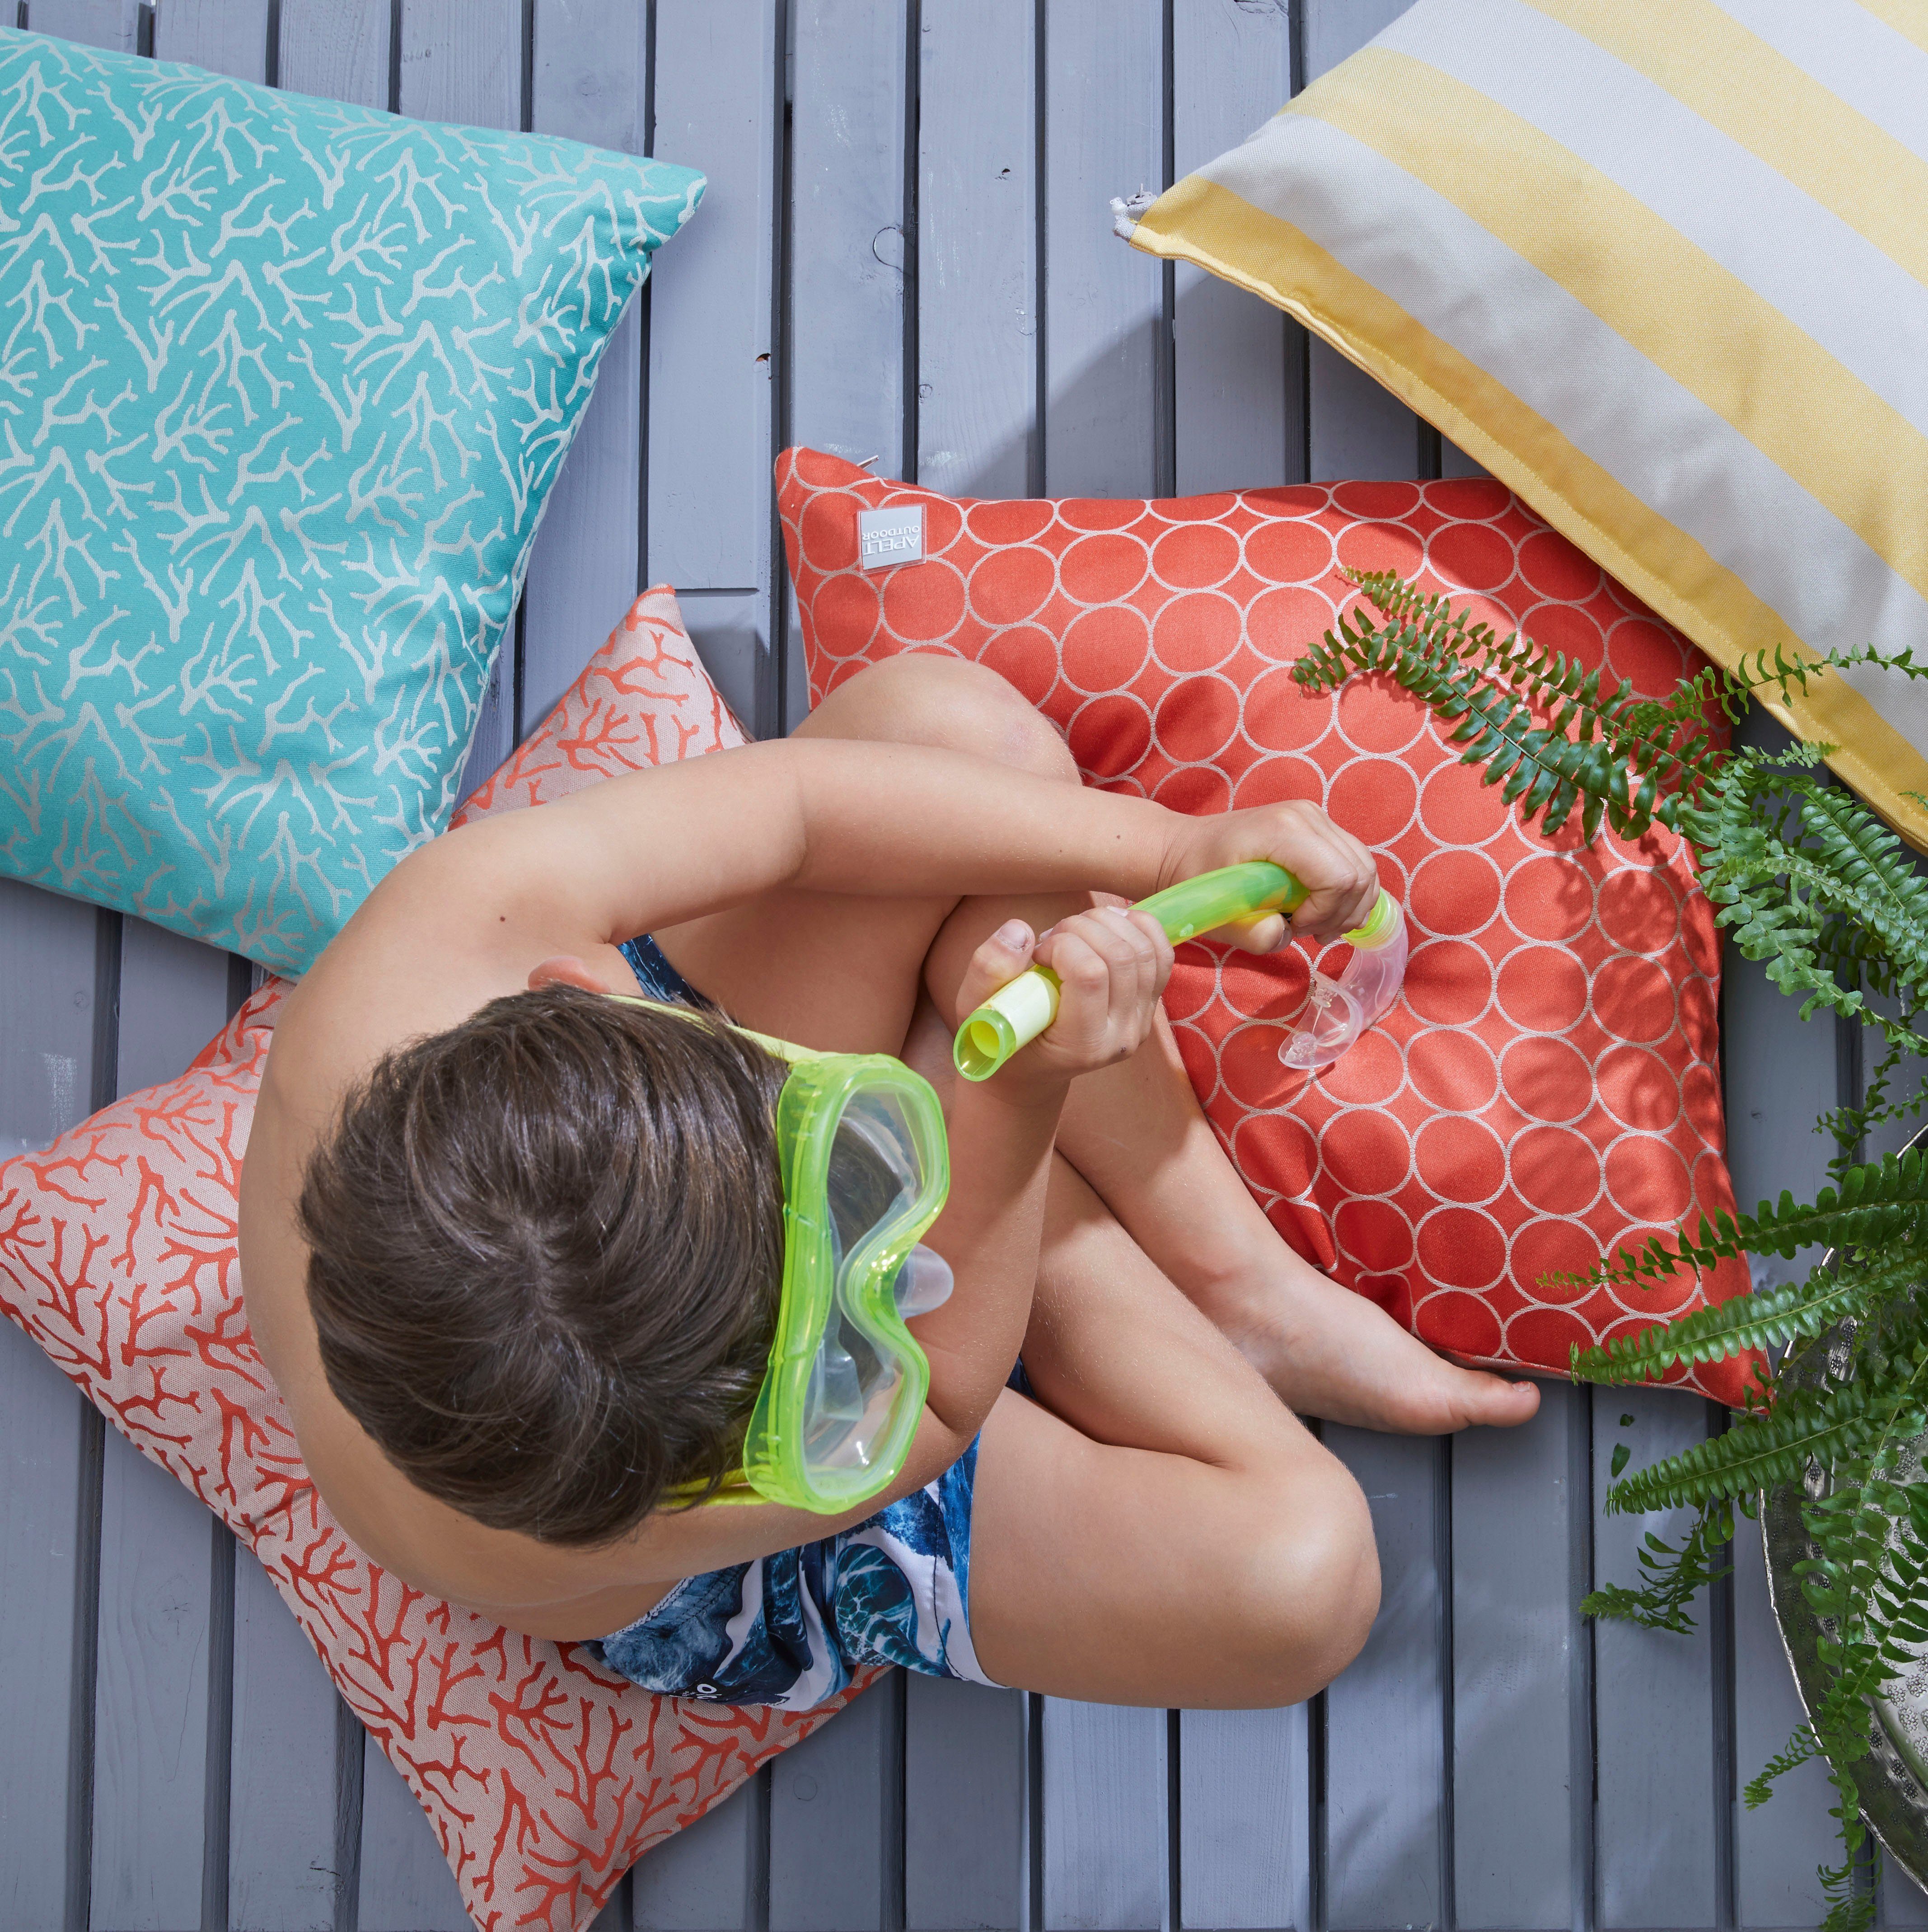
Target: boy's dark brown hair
(546, 1248)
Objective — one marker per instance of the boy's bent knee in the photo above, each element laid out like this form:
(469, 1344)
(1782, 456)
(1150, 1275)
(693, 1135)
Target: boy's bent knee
(1308, 1592)
(927, 697)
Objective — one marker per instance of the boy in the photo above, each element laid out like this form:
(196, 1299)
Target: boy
(510, 1246)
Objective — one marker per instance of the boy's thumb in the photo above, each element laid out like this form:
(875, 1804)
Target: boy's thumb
(996, 963)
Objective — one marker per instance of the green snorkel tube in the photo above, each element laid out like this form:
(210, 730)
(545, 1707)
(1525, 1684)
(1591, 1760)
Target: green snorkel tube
(1338, 1011)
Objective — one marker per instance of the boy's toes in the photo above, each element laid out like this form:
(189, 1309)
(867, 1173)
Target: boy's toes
(1491, 1402)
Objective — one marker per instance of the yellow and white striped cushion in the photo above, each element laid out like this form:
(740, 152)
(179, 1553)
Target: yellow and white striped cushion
(1662, 265)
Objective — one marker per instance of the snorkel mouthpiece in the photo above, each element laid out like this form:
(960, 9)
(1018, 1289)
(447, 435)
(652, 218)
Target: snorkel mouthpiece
(1336, 1012)
(1012, 1017)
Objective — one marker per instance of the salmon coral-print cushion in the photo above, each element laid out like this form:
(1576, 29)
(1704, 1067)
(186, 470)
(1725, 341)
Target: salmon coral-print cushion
(545, 1776)
(1547, 1088)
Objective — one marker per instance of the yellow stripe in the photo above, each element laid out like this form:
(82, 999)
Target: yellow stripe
(1688, 316)
(1907, 17)
(1760, 100)
(1200, 221)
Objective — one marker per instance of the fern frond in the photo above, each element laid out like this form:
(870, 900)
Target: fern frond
(1828, 1427)
(1767, 1318)
(1808, 881)
(1672, 1576)
(1882, 1203)
(1804, 1748)
(1628, 759)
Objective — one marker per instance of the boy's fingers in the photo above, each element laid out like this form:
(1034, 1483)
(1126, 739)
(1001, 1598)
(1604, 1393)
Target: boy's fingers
(1117, 939)
(1159, 942)
(1265, 934)
(1343, 880)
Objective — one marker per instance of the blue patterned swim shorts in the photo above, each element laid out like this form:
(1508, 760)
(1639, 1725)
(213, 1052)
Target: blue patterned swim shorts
(790, 1629)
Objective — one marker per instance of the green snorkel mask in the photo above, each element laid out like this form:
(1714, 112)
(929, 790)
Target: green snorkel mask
(866, 1168)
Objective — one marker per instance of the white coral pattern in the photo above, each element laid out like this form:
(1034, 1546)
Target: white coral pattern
(283, 386)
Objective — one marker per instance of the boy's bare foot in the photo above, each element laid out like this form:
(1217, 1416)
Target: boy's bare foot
(1330, 1353)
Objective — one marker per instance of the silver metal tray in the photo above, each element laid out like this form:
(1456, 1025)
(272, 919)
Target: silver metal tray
(1892, 1780)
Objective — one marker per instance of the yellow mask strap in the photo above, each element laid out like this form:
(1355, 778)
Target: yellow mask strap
(784, 1049)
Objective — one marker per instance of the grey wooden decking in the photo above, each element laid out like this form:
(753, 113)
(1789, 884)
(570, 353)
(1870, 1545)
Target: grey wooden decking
(905, 253)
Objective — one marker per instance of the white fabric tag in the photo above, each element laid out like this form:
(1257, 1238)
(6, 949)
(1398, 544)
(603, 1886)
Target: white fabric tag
(887, 537)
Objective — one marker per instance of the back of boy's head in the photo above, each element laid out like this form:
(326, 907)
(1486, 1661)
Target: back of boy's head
(546, 1248)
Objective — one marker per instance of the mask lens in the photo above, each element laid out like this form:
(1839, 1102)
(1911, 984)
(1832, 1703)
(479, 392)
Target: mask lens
(874, 1177)
(875, 1171)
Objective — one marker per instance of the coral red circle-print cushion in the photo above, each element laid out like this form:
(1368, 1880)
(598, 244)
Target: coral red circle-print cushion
(544, 1776)
(1546, 1090)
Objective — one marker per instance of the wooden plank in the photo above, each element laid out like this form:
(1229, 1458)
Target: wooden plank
(1518, 1679)
(965, 1866)
(835, 1826)
(1244, 1777)
(277, 1864)
(336, 49)
(112, 24)
(151, 1688)
(164, 1658)
(151, 1707)
(1385, 1717)
(162, 1652)
(712, 341)
(1106, 1849)
(850, 251)
(46, 1021)
(174, 1000)
(977, 248)
(458, 61)
(617, 1912)
(461, 60)
(588, 82)
(1106, 432)
(1357, 429)
(281, 1858)
(1236, 358)
(228, 37)
(407, 1885)
(48, 1535)
(1776, 1085)
(1245, 1817)
(1106, 360)
(729, 629)
(1903, 1902)
(848, 248)
(41, 1526)
(1658, 1857)
(705, 1879)
(1778, 1847)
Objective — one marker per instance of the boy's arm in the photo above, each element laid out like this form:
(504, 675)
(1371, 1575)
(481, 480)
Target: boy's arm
(653, 849)
(1114, 965)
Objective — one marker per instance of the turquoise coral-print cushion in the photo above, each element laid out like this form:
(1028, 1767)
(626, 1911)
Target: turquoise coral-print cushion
(283, 386)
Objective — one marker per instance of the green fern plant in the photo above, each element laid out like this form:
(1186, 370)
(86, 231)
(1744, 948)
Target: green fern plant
(1807, 881)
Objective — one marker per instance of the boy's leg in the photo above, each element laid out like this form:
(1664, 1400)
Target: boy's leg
(842, 973)
(1325, 1350)
(1161, 1531)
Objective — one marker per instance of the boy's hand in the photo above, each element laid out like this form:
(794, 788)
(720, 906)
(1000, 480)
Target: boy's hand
(1343, 880)
(1112, 965)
